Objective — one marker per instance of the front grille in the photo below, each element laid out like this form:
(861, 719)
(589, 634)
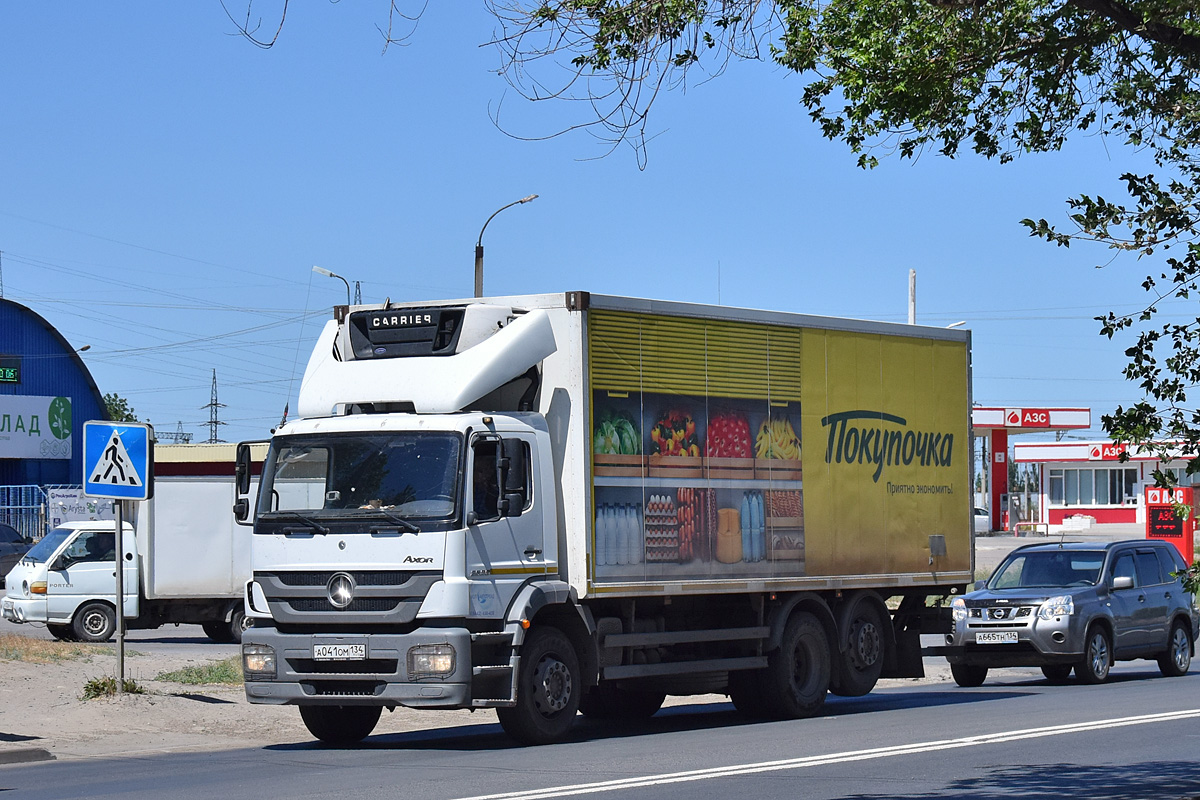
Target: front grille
(393, 578)
(997, 625)
(368, 666)
(310, 604)
(343, 688)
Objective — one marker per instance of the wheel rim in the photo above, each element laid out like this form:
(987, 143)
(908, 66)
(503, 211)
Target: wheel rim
(1181, 651)
(866, 645)
(803, 673)
(1098, 655)
(95, 623)
(551, 686)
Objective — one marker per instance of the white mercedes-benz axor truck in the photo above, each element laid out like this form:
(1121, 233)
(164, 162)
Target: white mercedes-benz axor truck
(567, 503)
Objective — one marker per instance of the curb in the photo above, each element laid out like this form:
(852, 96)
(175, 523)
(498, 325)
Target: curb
(25, 755)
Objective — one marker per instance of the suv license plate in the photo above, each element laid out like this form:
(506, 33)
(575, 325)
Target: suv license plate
(339, 652)
(996, 637)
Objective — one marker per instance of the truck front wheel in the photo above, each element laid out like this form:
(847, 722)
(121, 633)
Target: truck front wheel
(797, 674)
(94, 622)
(340, 725)
(549, 686)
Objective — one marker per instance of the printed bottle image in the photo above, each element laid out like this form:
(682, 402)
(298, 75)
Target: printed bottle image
(601, 536)
(636, 534)
(620, 538)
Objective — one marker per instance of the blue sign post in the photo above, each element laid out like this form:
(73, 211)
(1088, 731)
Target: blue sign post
(118, 463)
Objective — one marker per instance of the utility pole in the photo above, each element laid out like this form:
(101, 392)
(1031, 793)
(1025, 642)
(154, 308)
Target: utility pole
(912, 297)
(358, 293)
(212, 407)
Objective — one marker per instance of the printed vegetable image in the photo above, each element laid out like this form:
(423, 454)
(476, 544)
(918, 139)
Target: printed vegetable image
(616, 434)
(777, 439)
(675, 434)
(728, 436)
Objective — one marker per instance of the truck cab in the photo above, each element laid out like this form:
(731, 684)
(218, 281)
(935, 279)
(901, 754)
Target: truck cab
(66, 581)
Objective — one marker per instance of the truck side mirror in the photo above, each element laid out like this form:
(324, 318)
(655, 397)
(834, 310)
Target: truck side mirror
(513, 478)
(241, 509)
(241, 469)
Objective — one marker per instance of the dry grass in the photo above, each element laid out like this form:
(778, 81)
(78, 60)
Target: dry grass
(227, 671)
(15, 647)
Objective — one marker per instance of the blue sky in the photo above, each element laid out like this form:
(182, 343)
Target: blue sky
(167, 187)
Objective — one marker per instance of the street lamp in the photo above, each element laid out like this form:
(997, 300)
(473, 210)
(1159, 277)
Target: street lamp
(479, 243)
(328, 274)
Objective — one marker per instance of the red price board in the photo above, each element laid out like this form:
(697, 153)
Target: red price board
(1163, 520)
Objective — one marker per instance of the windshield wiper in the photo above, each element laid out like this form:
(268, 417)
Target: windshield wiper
(404, 524)
(316, 526)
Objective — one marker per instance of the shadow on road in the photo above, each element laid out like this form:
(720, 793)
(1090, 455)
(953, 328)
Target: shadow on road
(675, 719)
(1163, 779)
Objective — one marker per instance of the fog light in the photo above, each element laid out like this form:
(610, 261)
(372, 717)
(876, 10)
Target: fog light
(430, 659)
(258, 661)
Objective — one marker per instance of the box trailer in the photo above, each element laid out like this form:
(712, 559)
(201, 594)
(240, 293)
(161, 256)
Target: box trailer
(571, 502)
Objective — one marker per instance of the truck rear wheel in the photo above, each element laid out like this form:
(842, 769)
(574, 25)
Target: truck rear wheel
(746, 692)
(230, 632)
(549, 686)
(862, 662)
(94, 622)
(797, 674)
(608, 702)
(968, 675)
(340, 725)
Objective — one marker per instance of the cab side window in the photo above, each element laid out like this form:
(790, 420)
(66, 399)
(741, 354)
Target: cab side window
(485, 488)
(1125, 568)
(93, 546)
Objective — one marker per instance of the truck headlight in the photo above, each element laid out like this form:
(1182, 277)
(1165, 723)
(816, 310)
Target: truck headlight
(258, 661)
(430, 659)
(1061, 606)
(958, 609)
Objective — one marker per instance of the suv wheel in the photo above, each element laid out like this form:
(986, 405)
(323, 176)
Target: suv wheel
(1097, 657)
(1178, 657)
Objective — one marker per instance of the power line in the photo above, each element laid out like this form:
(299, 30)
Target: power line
(212, 406)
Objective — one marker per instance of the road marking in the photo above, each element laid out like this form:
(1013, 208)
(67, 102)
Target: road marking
(833, 758)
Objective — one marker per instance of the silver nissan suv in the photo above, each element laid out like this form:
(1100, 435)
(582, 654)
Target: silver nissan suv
(1078, 606)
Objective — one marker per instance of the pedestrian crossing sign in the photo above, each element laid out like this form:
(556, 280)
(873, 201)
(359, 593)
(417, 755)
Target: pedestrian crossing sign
(118, 460)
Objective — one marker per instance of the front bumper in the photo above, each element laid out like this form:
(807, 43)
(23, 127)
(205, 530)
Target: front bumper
(381, 679)
(23, 609)
(1039, 642)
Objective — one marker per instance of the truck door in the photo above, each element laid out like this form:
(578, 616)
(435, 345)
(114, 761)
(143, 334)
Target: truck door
(503, 549)
(84, 570)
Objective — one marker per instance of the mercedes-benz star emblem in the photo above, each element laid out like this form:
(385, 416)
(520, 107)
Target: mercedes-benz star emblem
(341, 589)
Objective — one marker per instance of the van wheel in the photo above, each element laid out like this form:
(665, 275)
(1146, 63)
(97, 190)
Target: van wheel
(1057, 673)
(340, 725)
(797, 674)
(1178, 659)
(61, 632)
(94, 622)
(230, 632)
(862, 663)
(968, 676)
(608, 702)
(1097, 657)
(549, 686)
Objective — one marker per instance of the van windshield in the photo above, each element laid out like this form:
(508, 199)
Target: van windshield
(406, 474)
(45, 548)
(1057, 569)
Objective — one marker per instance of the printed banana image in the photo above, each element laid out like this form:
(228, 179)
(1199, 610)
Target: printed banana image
(777, 439)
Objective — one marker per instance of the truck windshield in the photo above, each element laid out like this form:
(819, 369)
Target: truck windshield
(407, 474)
(47, 545)
(1058, 569)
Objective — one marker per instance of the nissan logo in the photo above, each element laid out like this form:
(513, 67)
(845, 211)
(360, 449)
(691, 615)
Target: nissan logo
(340, 589)
(999, 613)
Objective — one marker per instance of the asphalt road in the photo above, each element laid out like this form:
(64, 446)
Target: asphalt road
(1017, 736)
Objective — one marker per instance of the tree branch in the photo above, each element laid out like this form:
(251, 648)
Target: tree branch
(1133, 22)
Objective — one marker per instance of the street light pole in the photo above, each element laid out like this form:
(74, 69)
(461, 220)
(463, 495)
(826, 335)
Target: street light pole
(328, 274)
(479, 243)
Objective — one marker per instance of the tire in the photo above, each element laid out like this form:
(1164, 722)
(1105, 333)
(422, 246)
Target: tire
(607, 702)
(340, 725)
(1175, 662)
(61, 632)
(968, 676)
(94, 622)
(746, 692)
(862, 663)
(1057, 673)
(549, 686)
(1097, 657)
(230, 632)
(797, 674)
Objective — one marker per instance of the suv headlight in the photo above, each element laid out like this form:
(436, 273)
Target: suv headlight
(958, 609)
(1061, 606)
